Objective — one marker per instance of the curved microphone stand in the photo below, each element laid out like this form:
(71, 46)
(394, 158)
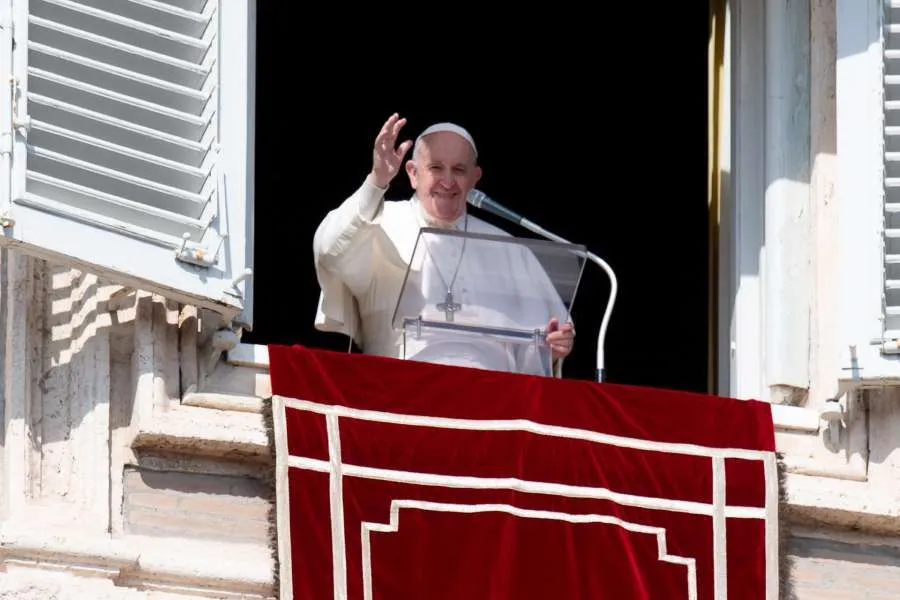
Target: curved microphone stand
(479, 199)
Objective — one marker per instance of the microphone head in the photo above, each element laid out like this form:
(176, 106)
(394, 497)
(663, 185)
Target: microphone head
(475, 197)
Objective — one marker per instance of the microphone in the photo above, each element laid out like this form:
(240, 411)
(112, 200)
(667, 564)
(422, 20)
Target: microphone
(479, 199)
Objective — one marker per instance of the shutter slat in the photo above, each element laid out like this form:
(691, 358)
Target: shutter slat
(143, 190)
(120, 132)
(125, 107)
(117, 157)
(113, 16)
(165, 16)
(198, 13)
(196, 6)
(118, 79)
(114, 207)
(159, 234)
(120, 54)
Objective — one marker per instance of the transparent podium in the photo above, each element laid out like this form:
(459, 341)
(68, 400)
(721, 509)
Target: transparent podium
(485, 301)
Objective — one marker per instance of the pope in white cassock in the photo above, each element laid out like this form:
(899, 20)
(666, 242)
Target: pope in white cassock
(364, 247)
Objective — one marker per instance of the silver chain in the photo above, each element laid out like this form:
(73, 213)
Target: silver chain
(459, 262)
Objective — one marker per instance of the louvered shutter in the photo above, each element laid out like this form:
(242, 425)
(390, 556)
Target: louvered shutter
(133, 142)
(891, 242)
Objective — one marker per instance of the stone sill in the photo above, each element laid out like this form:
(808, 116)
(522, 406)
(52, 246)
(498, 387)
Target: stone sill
(853, 505)
(249, 355)
(200, 568)
(196, 430)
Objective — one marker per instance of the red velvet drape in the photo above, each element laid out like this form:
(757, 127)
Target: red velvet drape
(445, 482)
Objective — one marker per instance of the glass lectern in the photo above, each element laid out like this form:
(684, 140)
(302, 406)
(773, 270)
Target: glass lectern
(484, 300)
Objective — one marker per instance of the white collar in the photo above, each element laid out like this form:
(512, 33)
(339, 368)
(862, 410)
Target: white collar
(425, 220)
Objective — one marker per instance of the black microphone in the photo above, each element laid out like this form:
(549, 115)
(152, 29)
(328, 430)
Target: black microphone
(479, 199)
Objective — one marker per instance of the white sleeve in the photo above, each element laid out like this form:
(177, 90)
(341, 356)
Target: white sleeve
(343, 258)
(342, 242)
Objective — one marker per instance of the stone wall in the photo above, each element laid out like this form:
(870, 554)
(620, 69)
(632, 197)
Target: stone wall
(133, 459)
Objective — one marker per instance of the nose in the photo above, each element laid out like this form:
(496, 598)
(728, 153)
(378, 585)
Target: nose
(446, 179)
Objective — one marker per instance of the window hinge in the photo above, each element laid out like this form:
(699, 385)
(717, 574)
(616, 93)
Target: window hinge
(23, 123)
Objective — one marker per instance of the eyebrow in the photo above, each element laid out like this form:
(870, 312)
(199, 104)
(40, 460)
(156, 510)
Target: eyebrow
(439, 162)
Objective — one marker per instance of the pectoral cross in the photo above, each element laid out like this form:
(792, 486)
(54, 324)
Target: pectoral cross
(449, 306)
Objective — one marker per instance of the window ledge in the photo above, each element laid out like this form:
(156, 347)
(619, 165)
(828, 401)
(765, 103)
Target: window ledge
(222, 569)
(220, 401)
(205, 432)
(249, 355)
(795, 418)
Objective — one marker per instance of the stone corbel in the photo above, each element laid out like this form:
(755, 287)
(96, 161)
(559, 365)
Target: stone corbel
(217, 373)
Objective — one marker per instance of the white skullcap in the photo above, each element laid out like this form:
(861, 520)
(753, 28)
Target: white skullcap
(453, 128)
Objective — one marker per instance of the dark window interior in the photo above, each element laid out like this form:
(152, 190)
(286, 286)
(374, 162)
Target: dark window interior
(598, 135)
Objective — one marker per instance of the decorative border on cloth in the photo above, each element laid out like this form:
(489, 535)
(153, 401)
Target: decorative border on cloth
(394, 525)
(785, 562)
(778, 573)
(272, 476)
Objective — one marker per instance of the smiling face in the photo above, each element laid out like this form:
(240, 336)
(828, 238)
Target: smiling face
(443, 170)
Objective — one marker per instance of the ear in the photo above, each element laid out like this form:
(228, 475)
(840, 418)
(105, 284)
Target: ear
(477, 174)
(411, 173)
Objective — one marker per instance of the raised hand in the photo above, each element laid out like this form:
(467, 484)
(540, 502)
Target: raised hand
(386, 159)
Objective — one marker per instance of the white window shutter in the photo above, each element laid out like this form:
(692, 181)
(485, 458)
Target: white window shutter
(133, 137)
(867, 78)
(891, 170)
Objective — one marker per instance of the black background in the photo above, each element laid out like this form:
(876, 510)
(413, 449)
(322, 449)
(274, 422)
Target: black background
(595, 127)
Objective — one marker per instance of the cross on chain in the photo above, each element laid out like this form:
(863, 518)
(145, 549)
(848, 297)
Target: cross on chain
(449, 306)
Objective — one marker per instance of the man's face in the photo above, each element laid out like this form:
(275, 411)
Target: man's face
(443, 173)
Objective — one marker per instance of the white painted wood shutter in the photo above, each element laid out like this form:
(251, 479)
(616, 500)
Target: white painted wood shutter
(891, 145)
(867, 176)
(132, 130)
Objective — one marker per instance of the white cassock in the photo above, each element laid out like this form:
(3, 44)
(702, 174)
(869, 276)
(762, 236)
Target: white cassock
(363, 250)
